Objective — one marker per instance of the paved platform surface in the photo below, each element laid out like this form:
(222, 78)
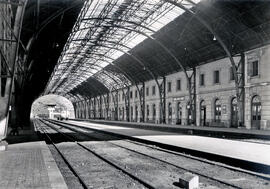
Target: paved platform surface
(199, 130)
(247, 151)
(29, 165)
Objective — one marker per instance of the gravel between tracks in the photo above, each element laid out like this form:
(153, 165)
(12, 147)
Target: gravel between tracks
(161, 174)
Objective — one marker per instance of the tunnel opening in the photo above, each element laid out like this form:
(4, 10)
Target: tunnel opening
(53, 107)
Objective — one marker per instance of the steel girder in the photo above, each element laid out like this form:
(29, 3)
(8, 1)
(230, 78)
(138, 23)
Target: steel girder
(123, 15)
(166, 49)
(237, 70)
(6, 100)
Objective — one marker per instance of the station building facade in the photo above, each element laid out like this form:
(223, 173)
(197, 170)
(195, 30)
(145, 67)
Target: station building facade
(216, 103)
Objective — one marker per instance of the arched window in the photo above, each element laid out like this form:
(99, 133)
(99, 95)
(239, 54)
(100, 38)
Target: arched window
(202, 113)
(217, 110)
(256, 111)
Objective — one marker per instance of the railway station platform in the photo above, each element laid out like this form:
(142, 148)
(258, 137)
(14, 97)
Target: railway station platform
(241, 153)
(240, 133)
(29, 165)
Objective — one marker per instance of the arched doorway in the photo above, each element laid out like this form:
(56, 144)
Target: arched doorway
(234, 113)
(256, 111)
(109, 114)
(217, 113)
(189, 114)
(136, 113)
(179, 114)
(123, 114)
(147, 112)
(154, 112)
(120, 114)
(114, 114)
(131, 113)
(169, 113)
(53, 107)
(202, 113)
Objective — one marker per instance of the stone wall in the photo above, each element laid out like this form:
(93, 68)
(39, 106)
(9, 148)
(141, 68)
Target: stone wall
(208, 93)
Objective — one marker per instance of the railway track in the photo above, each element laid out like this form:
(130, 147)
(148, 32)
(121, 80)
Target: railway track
(132, 182)
(238, 182)
(165, 149)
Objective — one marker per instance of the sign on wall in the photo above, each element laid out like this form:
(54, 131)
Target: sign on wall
(179, 98)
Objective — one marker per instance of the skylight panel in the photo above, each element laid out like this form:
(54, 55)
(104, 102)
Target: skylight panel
(108, 29)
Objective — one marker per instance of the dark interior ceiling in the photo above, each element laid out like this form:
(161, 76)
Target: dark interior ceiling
(47, 23)
(242, 25)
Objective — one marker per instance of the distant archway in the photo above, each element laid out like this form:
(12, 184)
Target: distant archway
(52, 106)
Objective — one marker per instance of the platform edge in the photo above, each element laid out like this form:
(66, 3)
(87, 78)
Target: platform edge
(55, 177)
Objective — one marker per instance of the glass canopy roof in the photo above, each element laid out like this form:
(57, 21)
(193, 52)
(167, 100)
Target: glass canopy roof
(104, 31)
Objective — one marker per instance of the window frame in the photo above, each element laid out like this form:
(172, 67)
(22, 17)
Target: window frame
(178, 87)
(215, 78)
(169, 87)
(153, 90)
(202, 84)
(231, 75)
(147, 91)
(252, 68)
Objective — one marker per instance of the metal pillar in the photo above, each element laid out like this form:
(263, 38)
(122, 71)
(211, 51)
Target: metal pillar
(192, 95)
(116, 108)
(89, 108)
(6, 96)
(240, 70)
(127, 103)
(115, 103)
(106, 104)
(141, 92)
(238, 73)
(80, 109)
(162, 99)
(75, 109)
(94, 108)
(100, 107)
(85, 108)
